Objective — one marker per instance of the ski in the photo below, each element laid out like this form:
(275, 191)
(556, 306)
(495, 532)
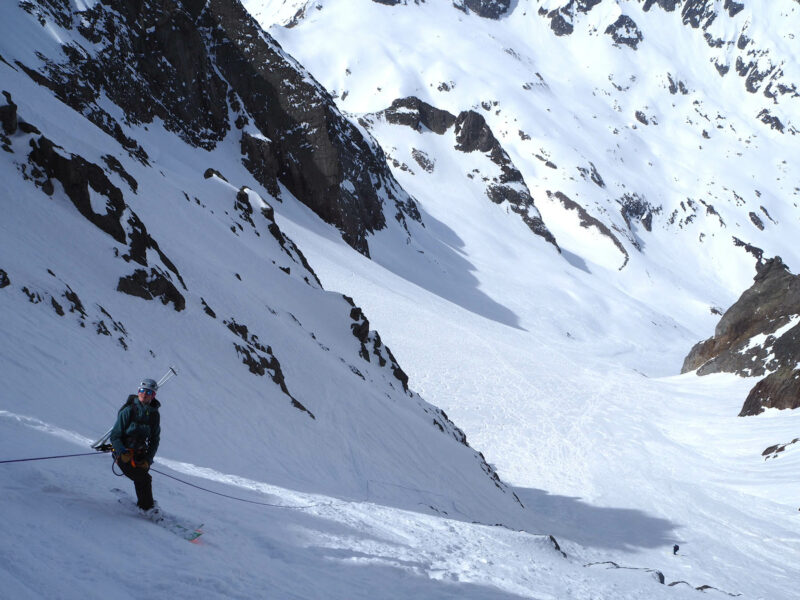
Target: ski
(182, 528)
(190, 534)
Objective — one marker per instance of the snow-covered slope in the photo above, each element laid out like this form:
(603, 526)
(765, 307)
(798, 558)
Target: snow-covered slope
(114, 268)
(553, 377)
(140, 231)
(670, 155)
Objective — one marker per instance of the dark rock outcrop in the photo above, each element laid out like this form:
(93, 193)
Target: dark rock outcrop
(780, 389)
(698, 13)
(77, 177)
(488, 9)
(369, 338)
(261, 361)
(413, 112)
(732, 7)
(562, 19)
(763, 308)
(635, 208)
(8, 115)
(196, 64)
(585, 6)
(677, 86)
(625, 31)
(768, 119)
(775, 450)
(592, 174)
(756, 220)
(324, 160)
(560, 24)
(472, 134)
(761, 67)
(259, 159)
(288, 247)
(154, 284)
(759, 335)
(587, 221)
(80, 179)
(757, 252)
(116, 166)
(667, 5)
(427, 163)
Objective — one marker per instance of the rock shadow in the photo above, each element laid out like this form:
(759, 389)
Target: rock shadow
(569, 518)
(441, 266)
(575, 260)
(512, 6)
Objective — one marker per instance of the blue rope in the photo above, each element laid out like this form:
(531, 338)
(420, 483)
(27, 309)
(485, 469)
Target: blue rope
(235, 498)
(48, 457)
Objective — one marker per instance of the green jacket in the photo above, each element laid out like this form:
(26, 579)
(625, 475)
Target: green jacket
(138, 427)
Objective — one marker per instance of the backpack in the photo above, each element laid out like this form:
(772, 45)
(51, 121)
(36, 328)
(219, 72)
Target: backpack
(103, 445)
(134, 415)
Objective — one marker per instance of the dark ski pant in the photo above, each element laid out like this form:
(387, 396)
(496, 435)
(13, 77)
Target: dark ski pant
(143, 483)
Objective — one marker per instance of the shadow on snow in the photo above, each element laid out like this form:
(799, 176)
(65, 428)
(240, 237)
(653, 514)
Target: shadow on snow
(570, 518)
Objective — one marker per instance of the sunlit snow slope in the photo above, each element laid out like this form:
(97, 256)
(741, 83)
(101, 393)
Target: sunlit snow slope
(558, 365)
(340, 477)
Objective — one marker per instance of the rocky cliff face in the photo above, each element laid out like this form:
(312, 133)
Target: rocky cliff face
(207, 71)
(471, 133)
(759, 336)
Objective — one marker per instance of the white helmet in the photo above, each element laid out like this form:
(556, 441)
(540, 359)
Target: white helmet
(149, 384)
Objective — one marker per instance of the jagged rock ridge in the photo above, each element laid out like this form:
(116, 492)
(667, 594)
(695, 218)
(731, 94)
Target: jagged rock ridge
(759, 335)
(471, 134)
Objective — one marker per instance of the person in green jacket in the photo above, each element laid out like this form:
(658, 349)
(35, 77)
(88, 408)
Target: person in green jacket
(135, 438)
